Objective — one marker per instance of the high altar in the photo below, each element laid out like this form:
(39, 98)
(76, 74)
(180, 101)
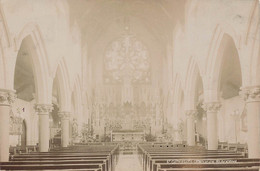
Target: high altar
(127, 135)
(127, 121)
(129, 104)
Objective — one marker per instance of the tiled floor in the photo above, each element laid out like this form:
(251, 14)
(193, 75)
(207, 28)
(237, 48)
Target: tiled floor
(128, 162)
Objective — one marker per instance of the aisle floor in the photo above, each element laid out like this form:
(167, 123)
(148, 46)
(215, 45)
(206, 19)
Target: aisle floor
(128, 162)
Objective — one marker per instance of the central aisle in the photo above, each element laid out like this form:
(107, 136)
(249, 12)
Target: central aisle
(128, 162)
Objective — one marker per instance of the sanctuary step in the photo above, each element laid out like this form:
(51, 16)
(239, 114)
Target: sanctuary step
(127, 148)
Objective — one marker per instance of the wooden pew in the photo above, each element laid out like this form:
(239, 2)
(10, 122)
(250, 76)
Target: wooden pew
(233, 146)
(213, 169)
(53, 166)
(63, 159)
(155, 162)
(65, 156)
(58, 158)
(155, 159)
(169, 166)
(93, 161)
(182, 153)
(102, 158)
(150, 160)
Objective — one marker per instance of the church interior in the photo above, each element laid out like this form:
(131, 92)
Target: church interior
(130, 85)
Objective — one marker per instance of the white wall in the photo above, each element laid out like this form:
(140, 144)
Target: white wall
(31, 120)
(229, 105)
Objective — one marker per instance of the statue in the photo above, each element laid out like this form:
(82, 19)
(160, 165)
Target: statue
(74, 128)
(244, 120)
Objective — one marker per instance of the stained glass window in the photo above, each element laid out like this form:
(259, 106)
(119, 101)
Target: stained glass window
(127, 60)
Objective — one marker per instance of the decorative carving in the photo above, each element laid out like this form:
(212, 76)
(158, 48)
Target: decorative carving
(126, 116)
(43, 108)
(64, 115)
(87, 133)
(180, 130)
(15, 126)
(191, 113)
(114, 125)
(7, 97)
(141, 124)
(212, 106)
(74, 128)
(250, 93)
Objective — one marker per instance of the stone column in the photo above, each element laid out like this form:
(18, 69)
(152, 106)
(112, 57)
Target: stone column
(64, 128)
(204, 126)
(6, 99)
(191, 127)
(43, 111)
(252, 97)
(212, 109)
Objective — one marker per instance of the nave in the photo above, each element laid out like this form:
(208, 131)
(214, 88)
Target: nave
(140, 157)
(144, 85)
(129, 162)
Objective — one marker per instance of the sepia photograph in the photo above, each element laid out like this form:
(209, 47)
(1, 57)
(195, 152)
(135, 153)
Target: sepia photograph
(130, 85)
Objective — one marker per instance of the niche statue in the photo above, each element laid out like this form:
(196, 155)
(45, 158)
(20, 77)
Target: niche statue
(74, 128)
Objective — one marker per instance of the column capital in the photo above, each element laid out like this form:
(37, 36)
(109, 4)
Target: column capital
(250, 94)
(43, 108)
(64, 115)
(7, 97)
(190, 113)
(211, 106)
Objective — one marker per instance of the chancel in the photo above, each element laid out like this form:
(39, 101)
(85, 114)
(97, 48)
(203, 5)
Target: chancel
(130, 85)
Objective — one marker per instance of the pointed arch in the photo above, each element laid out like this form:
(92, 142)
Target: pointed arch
(177, 81)
(252, 42)
(219, 32)
(30, 35)
(192, 75)
(177, 88)
(2, 68)
(73, 108)
(64, 89)
(215, 63)
(5, 35)
(5, 43)
(253, 22)
(255, 70)
(77, 89)
(178, 93)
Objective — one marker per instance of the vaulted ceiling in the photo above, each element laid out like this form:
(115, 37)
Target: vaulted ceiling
(152, 21)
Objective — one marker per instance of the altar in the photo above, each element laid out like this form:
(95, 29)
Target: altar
(127, 135)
